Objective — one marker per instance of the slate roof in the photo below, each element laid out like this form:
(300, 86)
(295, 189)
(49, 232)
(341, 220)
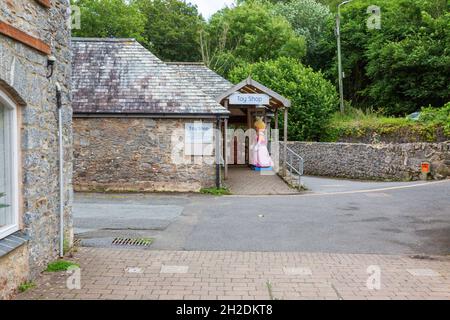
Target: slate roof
(113, 76)
(204, 78)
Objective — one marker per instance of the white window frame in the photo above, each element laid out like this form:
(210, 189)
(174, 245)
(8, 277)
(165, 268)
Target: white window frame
(11, 112)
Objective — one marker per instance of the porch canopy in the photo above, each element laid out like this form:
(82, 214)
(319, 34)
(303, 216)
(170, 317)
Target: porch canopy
(275, 103)
(251, 86)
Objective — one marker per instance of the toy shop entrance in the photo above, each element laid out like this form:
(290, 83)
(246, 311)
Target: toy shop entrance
(251, 134)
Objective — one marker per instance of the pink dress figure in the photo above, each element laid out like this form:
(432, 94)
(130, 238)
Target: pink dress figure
(261, 156)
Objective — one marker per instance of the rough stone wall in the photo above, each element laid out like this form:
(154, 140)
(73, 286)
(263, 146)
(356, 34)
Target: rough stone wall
(14, 270)
(134, 154)
(371, 161)
(24, 69)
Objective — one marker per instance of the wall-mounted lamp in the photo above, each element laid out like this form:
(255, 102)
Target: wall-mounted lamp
(50, 65)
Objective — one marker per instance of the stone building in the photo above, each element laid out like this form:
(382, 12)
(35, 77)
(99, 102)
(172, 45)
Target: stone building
(131, 111)
(141, 124)
(144, 125)
(31, 31)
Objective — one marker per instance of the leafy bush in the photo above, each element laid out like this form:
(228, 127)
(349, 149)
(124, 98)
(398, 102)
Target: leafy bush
(357, 125)
(437, 117)
(313, 98)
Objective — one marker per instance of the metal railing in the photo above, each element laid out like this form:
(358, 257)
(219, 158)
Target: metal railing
(295, 164)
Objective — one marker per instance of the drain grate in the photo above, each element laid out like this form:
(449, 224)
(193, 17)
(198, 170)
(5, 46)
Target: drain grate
(422, 257)
(135, 242)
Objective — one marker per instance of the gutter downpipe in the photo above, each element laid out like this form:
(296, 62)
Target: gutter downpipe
(61, 171)
(218, 184)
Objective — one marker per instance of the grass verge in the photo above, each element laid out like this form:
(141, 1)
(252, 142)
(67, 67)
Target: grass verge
(368, 126)
(60, 265)
(26, 286)
(216, 191)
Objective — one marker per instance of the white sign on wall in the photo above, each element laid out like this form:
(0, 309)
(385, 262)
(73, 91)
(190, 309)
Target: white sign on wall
(249, 99)
(199, 138)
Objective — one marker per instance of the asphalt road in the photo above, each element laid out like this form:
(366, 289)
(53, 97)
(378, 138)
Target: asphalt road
(334, 217)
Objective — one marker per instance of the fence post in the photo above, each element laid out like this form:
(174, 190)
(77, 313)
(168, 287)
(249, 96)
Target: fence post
(291, 163)
(300, 172)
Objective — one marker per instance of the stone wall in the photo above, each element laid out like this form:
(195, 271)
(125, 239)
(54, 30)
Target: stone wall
(134, 154)
(14, 270)
(24, 70)
(374, 161)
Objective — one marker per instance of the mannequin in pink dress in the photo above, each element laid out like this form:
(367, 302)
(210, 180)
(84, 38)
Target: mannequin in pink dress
(261, 156)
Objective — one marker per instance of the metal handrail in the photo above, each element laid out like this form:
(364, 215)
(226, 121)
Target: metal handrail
(293, 157)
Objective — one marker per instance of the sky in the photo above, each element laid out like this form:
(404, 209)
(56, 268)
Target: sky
(208, 7)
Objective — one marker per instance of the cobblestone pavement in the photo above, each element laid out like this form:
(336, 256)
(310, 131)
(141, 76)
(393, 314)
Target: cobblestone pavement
(145, 274)
(244, 181)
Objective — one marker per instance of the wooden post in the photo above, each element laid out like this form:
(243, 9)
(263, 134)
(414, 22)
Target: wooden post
(276, 118)
(225, 143)
(285, 141)
(249, 118)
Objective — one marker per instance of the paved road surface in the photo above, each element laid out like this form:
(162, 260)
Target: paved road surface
(335, 216)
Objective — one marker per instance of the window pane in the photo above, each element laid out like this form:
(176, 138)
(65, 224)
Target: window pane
(6, 217)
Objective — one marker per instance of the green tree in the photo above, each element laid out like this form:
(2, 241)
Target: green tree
(409, 61)
(311, 20)
(172, 28)
(313, 98)
(400, 67)
(110, 18)
(250, 32)
(332, 4)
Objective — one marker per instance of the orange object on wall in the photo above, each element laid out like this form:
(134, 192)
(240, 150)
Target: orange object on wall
(425, 167)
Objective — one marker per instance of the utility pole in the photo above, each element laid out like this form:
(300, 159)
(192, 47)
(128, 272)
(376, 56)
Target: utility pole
(341, 73)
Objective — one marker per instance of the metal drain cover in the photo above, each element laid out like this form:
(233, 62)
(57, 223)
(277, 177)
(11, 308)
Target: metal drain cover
(422, 257)
(135, 242)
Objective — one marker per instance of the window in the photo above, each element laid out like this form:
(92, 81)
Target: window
(9, 213)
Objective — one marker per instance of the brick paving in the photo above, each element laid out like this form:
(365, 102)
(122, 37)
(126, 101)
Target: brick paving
(244, 181)
(219, 275)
